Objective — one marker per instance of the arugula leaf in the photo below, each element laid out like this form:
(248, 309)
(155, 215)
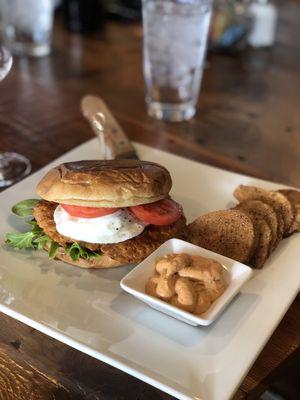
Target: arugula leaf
(53, 249)
(75, 251)
(20, 240)
(41, 241)
(32, 222)
(36, 229)
(24, 208)
(36, 239)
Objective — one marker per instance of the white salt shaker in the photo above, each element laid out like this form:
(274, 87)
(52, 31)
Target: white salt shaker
(264, 16)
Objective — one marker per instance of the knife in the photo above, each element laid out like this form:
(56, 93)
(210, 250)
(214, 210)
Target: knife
(113, 140)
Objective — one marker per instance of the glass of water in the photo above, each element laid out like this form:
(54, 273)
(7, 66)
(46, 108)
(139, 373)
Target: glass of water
(27, 26)
(175, 39)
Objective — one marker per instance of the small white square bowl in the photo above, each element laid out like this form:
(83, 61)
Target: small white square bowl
(236, 274)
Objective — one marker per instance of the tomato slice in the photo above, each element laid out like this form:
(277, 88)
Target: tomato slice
(162, 212)
(88, 212)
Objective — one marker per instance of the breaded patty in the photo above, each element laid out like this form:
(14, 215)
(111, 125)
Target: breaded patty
(43, 213)
(136, 249)
(131, 251)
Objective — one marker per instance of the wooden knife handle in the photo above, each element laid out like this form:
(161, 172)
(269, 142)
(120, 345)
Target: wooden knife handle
(112, 137)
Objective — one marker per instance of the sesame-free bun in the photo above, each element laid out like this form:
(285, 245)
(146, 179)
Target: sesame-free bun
(106, 183)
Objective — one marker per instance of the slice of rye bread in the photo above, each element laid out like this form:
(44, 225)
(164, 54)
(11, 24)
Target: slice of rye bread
(277, 200)
(261, 252)
(294, 198)
(227, 232)
(264, 234)
(266, 212)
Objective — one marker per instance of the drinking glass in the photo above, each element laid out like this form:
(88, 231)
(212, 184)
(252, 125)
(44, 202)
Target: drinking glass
(175, 40)
(27, 26)
(13, 166)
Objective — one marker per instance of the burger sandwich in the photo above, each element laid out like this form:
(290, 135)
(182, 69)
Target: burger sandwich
(101, 214)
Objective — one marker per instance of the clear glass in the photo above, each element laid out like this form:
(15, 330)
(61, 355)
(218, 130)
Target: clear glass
(175, 41)
(27, 26)
(13, 166)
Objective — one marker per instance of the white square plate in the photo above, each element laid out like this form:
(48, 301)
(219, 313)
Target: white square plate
(236, 274)
(89, 311)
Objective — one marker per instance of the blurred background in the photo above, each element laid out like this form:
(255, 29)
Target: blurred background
(235, 23)
(73, 47)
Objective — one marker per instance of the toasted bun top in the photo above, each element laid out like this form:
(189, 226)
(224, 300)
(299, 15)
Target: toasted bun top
(106, 183)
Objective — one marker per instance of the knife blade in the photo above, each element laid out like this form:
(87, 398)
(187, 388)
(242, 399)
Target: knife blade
(113, 140)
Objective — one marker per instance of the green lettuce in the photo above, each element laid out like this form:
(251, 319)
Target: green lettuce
(34, 239)
(24, 208)
(76, 251)
(37, 239)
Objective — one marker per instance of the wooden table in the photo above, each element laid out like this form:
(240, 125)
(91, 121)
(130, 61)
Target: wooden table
(248, 121)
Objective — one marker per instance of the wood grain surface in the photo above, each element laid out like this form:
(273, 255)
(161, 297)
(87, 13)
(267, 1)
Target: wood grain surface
(248, 121)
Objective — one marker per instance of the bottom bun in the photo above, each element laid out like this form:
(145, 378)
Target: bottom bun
(104, 261)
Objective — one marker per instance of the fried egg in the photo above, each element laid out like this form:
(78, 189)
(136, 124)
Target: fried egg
(113, 228)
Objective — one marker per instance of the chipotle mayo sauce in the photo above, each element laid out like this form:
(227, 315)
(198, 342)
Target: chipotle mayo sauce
(191, 283)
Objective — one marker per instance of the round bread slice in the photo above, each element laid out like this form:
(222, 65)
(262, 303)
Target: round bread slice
(264, 238)
(227, 232)
(277, 200)
(261, 252)
(101, 262)
(106, 183)
(294, 198)
(265, 211)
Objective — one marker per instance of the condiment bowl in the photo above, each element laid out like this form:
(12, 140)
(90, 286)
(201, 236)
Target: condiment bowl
(236, 274)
